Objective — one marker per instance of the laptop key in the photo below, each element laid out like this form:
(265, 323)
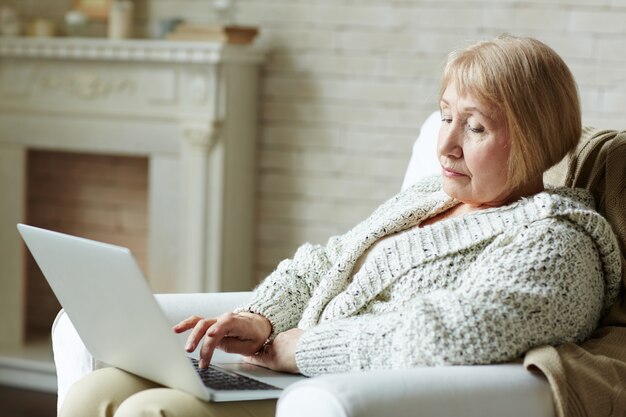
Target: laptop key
(219, 379)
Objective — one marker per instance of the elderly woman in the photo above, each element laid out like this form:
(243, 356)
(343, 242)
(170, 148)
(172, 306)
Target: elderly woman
(475, 266)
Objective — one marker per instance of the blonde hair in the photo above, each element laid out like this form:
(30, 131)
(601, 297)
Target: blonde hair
(533, 88)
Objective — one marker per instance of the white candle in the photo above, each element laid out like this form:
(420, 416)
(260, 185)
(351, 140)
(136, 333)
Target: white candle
(121, 19)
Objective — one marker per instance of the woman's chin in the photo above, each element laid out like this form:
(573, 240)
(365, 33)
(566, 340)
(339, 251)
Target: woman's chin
(457, 188)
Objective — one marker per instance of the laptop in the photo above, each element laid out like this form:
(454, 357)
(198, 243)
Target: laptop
(110, 304)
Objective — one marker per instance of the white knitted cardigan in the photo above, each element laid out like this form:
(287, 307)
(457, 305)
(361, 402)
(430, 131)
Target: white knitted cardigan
(475, 289)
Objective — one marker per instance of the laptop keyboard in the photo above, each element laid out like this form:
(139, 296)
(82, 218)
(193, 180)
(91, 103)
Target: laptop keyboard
(219, 379)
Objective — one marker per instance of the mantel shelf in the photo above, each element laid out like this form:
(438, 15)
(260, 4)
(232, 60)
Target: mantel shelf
(143, 50)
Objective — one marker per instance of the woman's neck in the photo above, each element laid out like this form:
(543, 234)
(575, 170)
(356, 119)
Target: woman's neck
(528, 189)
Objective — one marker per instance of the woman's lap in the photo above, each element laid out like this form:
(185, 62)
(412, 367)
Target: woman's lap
(112, 392)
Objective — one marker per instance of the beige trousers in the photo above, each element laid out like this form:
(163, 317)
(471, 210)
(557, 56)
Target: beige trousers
(112, 392)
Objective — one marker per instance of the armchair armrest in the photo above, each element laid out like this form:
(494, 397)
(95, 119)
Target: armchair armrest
(180, 306)
(73, 360)
(468, 391)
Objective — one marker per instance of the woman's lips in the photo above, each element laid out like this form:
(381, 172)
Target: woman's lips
(450, 173)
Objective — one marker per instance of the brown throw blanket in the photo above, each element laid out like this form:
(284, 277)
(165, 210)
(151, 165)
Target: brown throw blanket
(589, 380)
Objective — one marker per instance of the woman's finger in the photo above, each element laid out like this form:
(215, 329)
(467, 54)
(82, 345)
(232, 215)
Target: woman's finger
(213, 336)
(198, 332)
(187, 324)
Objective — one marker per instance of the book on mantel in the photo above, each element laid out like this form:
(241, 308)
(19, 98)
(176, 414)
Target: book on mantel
(225, 34)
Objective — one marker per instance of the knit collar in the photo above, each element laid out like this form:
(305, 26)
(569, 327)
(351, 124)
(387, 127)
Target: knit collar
(457, 233)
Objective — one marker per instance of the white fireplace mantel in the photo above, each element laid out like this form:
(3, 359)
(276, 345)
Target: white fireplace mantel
(143, 51)
(190, 107)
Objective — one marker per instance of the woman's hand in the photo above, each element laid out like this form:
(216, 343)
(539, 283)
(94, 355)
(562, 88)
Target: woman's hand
(280, 355)
(243, 333)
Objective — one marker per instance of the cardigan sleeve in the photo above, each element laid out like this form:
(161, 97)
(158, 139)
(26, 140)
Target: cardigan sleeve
(538, 285)
(284, 294)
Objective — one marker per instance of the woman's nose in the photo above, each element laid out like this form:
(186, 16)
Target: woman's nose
(450, 140)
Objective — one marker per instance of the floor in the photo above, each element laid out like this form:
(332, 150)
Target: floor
(21, 403)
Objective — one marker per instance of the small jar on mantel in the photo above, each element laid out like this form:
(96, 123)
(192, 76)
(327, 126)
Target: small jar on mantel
(121, 19)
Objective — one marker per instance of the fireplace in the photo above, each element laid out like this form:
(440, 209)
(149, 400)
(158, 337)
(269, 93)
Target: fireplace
(171, 125)
(99, 197)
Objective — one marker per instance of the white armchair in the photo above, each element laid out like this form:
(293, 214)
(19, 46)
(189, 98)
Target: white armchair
(469, 391)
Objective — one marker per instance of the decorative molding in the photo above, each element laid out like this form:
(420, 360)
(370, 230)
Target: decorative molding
(83, 84)
(199, 89)
(139, 50)
(201, 135)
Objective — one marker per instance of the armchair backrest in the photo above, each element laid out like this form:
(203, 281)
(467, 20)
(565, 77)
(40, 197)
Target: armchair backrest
(423, 160)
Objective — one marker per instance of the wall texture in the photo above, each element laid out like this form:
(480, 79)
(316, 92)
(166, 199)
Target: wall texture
(347, 84)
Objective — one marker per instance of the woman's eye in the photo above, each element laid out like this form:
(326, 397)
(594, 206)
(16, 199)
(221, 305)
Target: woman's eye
(478, 129)
(446, 119)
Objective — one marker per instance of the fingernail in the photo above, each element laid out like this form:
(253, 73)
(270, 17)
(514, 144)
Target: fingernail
(189, 347)
(202, 363)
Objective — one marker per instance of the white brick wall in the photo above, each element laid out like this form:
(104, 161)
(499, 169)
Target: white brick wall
(348, 82)
(603, 21)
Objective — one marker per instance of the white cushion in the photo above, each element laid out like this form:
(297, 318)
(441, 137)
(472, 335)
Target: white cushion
(71, 358)
(423, 160)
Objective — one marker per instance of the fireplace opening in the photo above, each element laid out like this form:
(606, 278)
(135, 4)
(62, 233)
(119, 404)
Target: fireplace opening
(99, 197)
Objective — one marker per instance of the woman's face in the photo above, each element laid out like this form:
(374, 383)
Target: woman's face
(473, 150)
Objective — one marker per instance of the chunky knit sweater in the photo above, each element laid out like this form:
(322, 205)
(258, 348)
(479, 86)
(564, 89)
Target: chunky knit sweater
(475, 289)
